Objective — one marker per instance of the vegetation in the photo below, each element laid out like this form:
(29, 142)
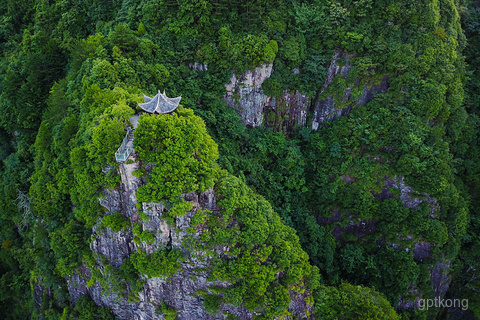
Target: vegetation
(352, 302)
(261, 246)
(182, 153)
(163, 263)
(72, 73)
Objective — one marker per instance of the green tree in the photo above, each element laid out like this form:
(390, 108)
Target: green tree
(352, 302)
(182, 154)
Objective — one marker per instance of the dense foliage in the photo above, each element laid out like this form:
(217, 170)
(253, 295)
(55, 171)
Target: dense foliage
(72, 73)
(353, 302)
(262, 248)
(181, 152)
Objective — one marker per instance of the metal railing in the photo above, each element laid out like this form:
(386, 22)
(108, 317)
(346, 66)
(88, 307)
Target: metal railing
(123, 152)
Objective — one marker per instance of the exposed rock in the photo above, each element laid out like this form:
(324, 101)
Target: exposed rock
(347, 178)
(154, 223)
(245, 94)
(335, 68)
(76, 286)
(368, 94)
(410, 198)
(129, 187)
(38, 292)
(440, 278)
(198, 66)
(328, 108)
(182, 223)
(299, 304)
(325, 111)
(439, 270)
(411, 300)
(111, 202)
(422, 251)
(357, 227)
(288, 111)
(115, 246)
(179, 291)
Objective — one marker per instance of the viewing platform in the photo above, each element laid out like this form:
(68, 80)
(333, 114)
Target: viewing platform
(160, 103)
(126, 148)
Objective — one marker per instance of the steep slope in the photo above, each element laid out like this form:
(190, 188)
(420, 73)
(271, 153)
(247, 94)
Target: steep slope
(199, 254)
(381, 192)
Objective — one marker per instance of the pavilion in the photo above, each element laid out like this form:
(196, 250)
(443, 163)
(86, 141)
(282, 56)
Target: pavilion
(160, 103)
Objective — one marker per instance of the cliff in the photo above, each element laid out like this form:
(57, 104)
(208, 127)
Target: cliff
(345, 88)
(245, 94)
(201, 251)
(341, 91)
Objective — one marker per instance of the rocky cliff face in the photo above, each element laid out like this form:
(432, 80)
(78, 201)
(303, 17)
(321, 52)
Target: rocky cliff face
(439, 270)
(244, 93)
(288, 111)
(358, 92)
(180, 292)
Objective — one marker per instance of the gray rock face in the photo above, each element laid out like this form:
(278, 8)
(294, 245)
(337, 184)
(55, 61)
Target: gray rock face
(154, 223)
(76, 286)
(179, 291)
(327, 108)
(410, 198)
(245, 94)
(368, 94)
(440, 279)
(325, 111)
(439, 270)
(288, 111)
(111, 202)
(198, 66)
(129, 187)
(115, 246)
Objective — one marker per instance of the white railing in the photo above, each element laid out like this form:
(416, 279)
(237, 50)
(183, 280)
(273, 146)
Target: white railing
(123, 152)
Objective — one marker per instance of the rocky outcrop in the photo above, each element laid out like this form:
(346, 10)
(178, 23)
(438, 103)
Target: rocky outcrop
(198, 66)
(114, 246)
(181, 292)
(440, 280)
(333, 104)
(410, 198)
(244, 93)
(246, 96)
(129, 187)
(421, 250)
(287, 111)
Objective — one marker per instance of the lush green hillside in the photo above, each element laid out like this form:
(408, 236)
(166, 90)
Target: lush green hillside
(72, 73)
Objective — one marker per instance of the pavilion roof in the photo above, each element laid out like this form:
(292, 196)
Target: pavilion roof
(160, 103)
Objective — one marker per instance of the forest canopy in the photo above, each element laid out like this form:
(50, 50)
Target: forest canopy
(379, 205)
